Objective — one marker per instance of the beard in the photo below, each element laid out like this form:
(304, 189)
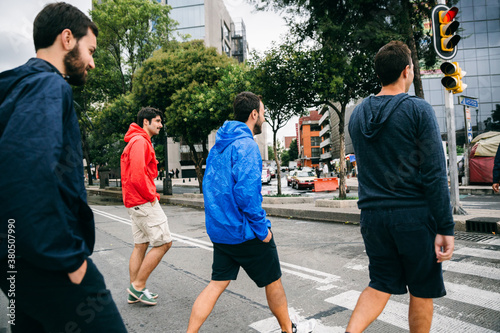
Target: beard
(75, 68)
(257, 128)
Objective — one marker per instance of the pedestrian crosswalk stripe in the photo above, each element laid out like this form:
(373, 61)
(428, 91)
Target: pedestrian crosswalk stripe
(396, 314)
(472, 269)
(488, 254)
(486, 299)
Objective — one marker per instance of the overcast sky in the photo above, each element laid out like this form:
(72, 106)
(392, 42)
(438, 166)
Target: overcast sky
(16, 30)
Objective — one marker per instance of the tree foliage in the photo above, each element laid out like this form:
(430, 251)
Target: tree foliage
(274, 76)
(195, 86)
(129, 32)
(293, 152)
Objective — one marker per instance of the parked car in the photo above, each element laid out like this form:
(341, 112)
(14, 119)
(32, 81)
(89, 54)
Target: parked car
(266, 176)
(304, 180)
(289, 177)
(273, 172)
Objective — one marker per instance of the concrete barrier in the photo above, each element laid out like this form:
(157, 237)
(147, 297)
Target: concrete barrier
(326, 184)
(336, 203)
(287, 200)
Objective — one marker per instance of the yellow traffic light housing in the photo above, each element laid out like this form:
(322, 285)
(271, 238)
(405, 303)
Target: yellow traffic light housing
(452, 80)
(444, 27)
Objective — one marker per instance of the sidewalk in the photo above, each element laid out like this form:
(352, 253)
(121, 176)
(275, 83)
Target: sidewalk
(307, 208)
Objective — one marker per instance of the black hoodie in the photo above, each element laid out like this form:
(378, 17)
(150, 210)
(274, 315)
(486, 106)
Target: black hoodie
(400, 157)
(42, 194)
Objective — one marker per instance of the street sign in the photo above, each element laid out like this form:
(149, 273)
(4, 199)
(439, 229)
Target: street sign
(469, 136)
(469, 101)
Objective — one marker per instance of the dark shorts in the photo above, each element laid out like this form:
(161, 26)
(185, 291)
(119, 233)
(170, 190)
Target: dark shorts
(400, 246)
(260, 261)
(47, 301)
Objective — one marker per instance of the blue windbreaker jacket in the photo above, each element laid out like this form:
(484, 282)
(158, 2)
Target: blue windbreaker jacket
(232, 186)
(42, 193)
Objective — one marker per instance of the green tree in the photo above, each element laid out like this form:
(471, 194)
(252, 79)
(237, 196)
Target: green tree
(337, 69)
(271, 75)
(129, 32)
(196, 86)
(285, 157)
(270, 152)
(293, 152)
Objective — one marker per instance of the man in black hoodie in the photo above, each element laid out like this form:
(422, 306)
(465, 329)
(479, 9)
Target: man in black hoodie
(406, 219)
(47, 229)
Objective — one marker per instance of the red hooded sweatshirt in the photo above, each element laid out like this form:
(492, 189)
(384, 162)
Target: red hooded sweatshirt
(139, 168)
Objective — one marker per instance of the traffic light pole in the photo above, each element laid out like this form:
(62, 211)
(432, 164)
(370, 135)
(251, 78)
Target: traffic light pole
(452, 154)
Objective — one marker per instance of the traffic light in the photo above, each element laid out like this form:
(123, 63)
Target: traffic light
(444, 27)
(453, 77)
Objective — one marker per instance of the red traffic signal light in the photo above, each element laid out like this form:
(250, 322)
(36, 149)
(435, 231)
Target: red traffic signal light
(447, 16)
(444, 27)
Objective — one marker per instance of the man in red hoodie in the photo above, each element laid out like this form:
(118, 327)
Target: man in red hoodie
(149, 222)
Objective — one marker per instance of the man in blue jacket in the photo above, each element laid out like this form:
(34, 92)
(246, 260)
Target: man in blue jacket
(406, 219)
(47, 228)
(236, 223)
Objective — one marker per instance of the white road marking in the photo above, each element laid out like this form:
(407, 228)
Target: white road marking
(270, 325)
(472, 269)
(475, 296)
(396, 314)
(488, 254)
(303, 272)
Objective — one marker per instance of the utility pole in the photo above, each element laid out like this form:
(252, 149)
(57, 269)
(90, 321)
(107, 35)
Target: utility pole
(167, 182)
(452, 154)
(444, 27)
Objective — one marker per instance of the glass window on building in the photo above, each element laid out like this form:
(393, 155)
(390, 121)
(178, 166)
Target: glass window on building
(226, 49)
(315, 152)
(189, 17)
(195, 33)
(225, 32)
(315, 128)
(315, 141)
(183, 3)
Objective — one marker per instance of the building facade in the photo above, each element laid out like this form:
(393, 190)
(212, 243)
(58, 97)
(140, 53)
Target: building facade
(209, 21)
(309, 139)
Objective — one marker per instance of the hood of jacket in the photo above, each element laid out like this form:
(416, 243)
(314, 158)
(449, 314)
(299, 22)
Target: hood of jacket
(135, 130)
(231, 131)
(375, 110)
(9, 79)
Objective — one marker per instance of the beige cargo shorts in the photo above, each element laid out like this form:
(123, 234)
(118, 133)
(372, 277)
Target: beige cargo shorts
(149, 224)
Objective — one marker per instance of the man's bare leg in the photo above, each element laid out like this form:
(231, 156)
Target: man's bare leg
(420, 314)
(136, 259)
(278, 305)
(151, 260)
(370, 304)
(205, 303)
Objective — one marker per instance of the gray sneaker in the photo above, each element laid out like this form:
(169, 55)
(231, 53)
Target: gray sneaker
(143, 296)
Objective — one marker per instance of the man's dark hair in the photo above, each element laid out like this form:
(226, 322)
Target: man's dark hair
(148, 113)
(56, 17)
(244, 103)
(391, 60)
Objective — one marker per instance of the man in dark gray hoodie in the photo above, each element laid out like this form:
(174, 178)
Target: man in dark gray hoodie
(406, 218)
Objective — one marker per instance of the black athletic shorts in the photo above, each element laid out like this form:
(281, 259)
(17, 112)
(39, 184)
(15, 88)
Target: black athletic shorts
(400, 245)
(260, 261)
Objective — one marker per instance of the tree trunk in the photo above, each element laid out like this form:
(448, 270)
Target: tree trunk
(342, 174)
(417, 79)
(199, 161)
(276, 159)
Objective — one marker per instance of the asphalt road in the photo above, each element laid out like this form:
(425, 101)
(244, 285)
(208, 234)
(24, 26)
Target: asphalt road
(324, 270)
